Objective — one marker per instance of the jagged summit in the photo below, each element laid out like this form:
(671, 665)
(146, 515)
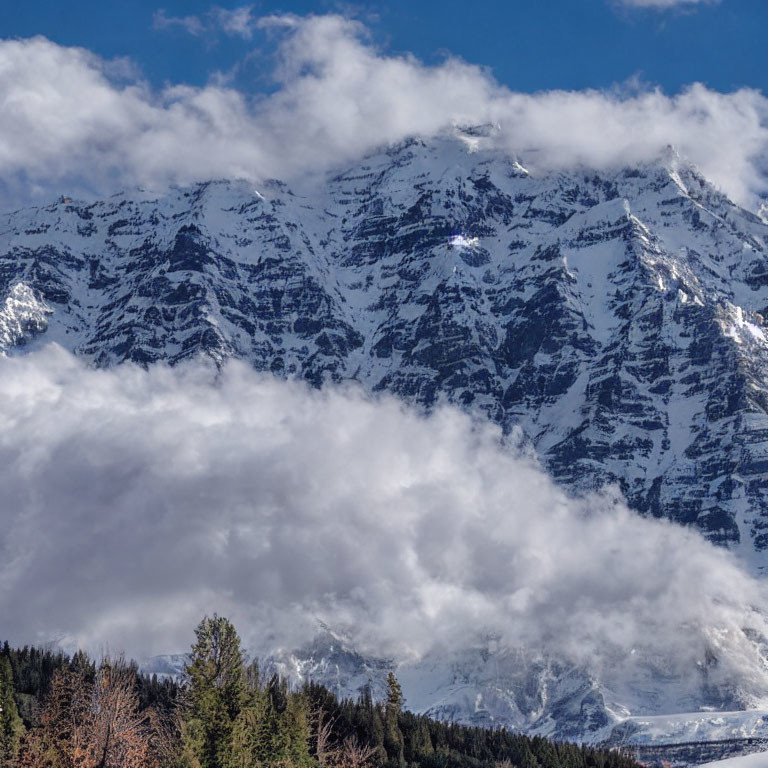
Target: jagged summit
(615, 317)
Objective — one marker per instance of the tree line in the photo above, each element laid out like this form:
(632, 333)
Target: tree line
(58, 711)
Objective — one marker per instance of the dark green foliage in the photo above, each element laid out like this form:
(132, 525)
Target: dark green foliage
(230, 721)
(394, 743)
(33, 671)
(10, 722)
(216, 692)
(285, 727)
(160, 695)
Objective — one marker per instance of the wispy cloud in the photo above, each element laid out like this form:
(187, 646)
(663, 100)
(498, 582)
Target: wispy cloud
(237, 22)
(664, 4)
(190, 24)
(66, 123)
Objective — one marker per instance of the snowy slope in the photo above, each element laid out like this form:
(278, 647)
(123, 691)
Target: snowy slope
(635, 703)
(747, 761)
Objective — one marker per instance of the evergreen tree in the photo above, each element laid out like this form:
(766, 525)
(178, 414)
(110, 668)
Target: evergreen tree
(245, 738)
(394, 694)
(418, 742)
(10, 723)
(273, 739)
(393, 737)
(272, 729)
(246, 730)
(297, 724)
(216, 691)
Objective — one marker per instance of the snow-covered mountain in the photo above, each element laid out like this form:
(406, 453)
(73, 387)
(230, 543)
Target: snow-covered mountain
(615, 318)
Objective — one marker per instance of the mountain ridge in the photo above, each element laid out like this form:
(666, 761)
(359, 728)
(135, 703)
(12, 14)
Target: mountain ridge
(616, 319)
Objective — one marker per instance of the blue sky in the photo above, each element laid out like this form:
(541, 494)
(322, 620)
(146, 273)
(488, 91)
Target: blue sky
(529, 46)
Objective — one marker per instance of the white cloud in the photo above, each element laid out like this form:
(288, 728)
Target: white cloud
(135, 501)
(65, 125)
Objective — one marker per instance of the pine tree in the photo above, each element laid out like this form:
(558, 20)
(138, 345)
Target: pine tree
(393, 737)
(246, 729)
(272, 738)
(10, 723)
(245, 738)
(419, 742)
(297, 724)
(394, 693)
(216, 691)
(375, 731)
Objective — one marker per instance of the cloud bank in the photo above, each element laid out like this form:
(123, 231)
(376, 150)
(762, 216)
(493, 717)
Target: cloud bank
(135, 501)
(68, 123)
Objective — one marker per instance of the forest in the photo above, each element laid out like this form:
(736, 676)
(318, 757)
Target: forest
(60, 711)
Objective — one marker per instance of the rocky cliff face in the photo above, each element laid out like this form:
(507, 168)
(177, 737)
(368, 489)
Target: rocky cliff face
(616, 318)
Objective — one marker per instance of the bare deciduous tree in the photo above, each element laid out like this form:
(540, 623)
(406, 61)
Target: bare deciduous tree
(353, 754)
(326, 753)
(95, 724)
(65, 721)
(118, 734)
